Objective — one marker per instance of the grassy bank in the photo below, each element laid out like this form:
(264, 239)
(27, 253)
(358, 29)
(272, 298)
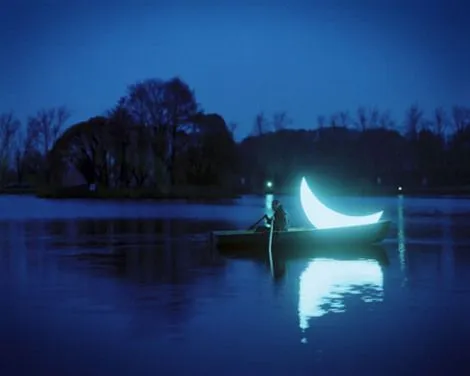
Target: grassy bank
(18, 190)
(187, 192)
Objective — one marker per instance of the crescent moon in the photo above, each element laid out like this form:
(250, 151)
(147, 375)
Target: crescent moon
(323, 217)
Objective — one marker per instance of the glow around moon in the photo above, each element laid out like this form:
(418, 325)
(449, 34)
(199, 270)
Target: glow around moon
(323, 217)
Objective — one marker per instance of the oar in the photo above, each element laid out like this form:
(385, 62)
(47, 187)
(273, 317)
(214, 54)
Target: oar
(254, 224)
(270, 245)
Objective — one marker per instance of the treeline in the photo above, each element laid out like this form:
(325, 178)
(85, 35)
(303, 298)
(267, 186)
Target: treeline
(368, 152)
(24, 149)
(157, 138)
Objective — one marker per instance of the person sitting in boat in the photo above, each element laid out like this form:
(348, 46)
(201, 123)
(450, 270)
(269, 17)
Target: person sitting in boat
(279, 216)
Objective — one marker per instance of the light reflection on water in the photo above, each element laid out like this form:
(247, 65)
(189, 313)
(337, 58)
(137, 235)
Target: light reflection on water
(401, 238)
(447, 254)
(268, 200)
(325, 283)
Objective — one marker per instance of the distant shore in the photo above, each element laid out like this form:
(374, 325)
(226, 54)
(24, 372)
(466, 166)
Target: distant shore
(460, 191)
(176, 193)
(215, 193)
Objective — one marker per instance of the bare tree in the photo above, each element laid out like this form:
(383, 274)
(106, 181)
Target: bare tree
(47, 125)
(167, 109)
(460, 118)
(22, 144)
(440, 121)
(334, 120)
(426, 125)
(27, 157)
(374, 117)
(144, 102)
(261, 124)
(180, 107)
(121, 128)
(281, 121)
(9, 126)
(321, 121)
(368, 118)
(343, 119)
(385, 120)
(362, 119)
(232, 127)
(413, 121)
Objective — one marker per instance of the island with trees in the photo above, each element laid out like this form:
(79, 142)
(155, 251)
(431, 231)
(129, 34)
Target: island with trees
(158, 142)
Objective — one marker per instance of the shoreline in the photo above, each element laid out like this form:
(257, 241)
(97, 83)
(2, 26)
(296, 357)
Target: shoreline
(214, 193)
(177, 193)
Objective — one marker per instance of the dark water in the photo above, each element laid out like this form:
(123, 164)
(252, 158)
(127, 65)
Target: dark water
(109, 288)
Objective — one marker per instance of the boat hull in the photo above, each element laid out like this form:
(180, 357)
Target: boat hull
(339, 253)
(298, 239)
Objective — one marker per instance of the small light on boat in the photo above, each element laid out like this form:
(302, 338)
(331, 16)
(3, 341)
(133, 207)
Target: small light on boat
(400, 188)
(269, 184)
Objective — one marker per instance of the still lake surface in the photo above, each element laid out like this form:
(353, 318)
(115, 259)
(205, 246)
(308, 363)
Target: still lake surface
(133, 288)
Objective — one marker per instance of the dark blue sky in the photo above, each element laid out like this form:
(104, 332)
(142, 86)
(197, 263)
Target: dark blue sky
(240, 59)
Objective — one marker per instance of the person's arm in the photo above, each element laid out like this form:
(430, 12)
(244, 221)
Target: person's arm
(268, 219)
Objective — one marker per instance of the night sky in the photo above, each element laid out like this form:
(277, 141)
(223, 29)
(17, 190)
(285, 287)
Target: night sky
(240, 58)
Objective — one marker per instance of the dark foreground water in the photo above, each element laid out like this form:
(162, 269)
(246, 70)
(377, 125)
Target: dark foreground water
(109, 288)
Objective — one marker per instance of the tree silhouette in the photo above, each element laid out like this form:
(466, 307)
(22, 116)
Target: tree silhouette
(9, 126)
(281, 121)
(261, 125)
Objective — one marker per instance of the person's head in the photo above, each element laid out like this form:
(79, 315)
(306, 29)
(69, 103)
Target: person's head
(275, 204)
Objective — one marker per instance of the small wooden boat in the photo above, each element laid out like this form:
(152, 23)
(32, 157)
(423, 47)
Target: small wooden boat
(278, 264)
(297, 239)
(341, 253)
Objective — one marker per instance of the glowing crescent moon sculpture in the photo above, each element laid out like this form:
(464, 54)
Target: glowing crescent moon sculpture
(323, 217)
